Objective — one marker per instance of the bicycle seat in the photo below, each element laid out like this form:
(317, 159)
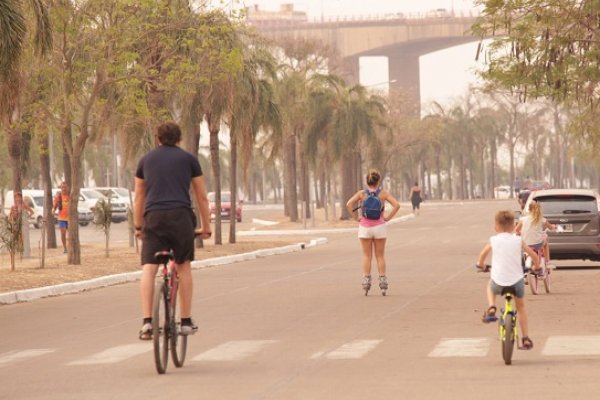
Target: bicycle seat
(508, 291)
(164, 256)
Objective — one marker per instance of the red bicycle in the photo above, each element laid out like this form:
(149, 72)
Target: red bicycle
(166, 327)
(544, 274)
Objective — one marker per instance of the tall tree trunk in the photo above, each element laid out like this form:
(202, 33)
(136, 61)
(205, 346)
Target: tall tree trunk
(348, 183)
(290, 178)
(67, 135)
(322, 190)
(47, 185)
(233, 181)
(438, 173)
(304, 183)
(214, 127)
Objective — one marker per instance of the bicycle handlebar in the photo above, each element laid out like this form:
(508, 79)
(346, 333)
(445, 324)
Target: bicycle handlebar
(484, 268)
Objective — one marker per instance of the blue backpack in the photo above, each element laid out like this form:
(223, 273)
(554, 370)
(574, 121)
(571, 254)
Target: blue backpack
(372, 207)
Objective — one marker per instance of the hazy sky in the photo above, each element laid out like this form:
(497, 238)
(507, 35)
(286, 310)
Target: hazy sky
(314, 8)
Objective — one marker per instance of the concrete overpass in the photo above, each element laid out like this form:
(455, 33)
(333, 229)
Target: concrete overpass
(402, 40)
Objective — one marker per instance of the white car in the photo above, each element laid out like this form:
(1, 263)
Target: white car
(89, 197)
(117, 193)
(35, 200)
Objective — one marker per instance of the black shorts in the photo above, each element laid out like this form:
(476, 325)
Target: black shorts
(168, 230)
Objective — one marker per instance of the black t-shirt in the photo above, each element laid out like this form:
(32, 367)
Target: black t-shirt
(167, 172)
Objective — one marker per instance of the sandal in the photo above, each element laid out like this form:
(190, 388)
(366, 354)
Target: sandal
(527, 343)
(489, 315)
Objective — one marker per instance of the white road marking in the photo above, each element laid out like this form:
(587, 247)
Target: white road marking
(13, 356)
(115, 354)
(461, 347)
(350, 351)
(572, 346)
(234, 350)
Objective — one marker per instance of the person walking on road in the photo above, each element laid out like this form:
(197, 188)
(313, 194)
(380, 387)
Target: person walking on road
(164, 220)
(415, 198)
(372, 230)
(517, 186)
(61, 204)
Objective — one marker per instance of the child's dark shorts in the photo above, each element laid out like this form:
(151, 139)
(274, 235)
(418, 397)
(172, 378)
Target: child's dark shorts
(518, 288)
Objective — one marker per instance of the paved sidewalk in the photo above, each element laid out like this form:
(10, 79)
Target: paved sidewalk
(75, 287)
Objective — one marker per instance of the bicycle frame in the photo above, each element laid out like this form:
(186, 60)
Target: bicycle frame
(508, 318)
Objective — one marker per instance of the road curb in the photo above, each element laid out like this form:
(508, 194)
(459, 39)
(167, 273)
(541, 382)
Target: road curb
(20, 296)
(297, 232)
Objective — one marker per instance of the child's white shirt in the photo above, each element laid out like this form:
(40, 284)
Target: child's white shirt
(506, 259)
(532, 233)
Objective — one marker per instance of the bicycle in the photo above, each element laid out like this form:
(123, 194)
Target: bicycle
(543, 274)
(507, 323)
(165, 319)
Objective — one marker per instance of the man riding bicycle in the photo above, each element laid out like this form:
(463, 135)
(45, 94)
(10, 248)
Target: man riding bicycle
(164, 219)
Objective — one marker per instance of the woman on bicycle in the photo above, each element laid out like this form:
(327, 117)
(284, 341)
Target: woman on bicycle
(532, 227)
(372, 229)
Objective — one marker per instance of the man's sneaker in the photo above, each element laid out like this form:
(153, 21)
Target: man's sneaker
(188, 329)
(146, 332)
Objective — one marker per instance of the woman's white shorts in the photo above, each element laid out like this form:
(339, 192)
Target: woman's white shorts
(373, 232)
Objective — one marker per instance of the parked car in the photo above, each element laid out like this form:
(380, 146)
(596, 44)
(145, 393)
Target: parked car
(577, 212)
(117, 193)
(225, 206)
(89, 197)
(35, 200)
(502, 192)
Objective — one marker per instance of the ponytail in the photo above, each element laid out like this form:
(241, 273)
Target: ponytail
(535, 209)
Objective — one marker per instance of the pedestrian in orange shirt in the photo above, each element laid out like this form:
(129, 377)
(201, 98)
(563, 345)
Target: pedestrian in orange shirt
(61, 203)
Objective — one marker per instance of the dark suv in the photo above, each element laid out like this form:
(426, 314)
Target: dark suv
(577, 212)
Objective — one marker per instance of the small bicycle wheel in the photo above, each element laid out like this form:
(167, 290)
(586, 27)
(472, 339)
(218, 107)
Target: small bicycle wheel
(178, 342)
(508, 338)
(160, 328)
(533, 282)
(547, 280)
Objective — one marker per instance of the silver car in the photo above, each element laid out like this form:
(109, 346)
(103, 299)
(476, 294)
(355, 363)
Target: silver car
(577, 213)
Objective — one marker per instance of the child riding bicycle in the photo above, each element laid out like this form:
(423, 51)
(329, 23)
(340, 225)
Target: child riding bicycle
(531, 228)
(507, 273)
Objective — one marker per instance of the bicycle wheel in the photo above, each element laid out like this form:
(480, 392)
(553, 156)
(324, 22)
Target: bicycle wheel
(533, 282)
(547, 280)
(160, 328)
(178, 342)
(508, 339)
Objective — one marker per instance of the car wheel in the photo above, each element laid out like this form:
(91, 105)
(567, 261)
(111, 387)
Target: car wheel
(84, 223)
(39, 222)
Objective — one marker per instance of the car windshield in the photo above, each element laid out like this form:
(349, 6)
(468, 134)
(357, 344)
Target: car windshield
(568, 204)
(92, 194)
(225, 197)
(122, 192)
(39, 201)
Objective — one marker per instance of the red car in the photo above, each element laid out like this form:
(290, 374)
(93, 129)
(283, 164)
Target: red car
(225, 207)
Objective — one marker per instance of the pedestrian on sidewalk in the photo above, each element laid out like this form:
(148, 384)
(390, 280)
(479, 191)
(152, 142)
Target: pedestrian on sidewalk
(61, 204)
(372, 230)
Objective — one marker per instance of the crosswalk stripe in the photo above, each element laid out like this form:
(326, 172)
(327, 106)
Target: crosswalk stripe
(234, 350)
(114, 354)
(13, 356)
(461, 347)
(572, 346)
(350, 351)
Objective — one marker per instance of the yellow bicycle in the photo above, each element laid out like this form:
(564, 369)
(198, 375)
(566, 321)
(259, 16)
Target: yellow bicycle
(507, 323)
(507, 326)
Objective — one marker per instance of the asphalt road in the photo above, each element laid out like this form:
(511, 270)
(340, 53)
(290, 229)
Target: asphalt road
(298, 326)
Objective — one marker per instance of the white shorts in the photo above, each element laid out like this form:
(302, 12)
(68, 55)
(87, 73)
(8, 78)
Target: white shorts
(374, 232)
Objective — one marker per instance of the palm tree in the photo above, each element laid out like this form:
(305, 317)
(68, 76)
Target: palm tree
(13, 29)
(253, 108)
